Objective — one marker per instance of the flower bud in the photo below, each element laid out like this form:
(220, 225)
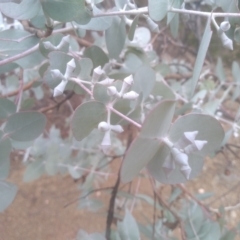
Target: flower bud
(225, 26)
(197, 145)
(226, 41)
(48, 45)
(130, 95)
(103, 126)
(187, 139)
(168, 165)
(117, 128)
(65, 40)
(71, 65)
(152, 25)
(97, 72)
(59, 89)
(127, 82)
(186, 171)
(56, 74)
(106, 142)
(179, 157)
(112, 91)
(107, 81)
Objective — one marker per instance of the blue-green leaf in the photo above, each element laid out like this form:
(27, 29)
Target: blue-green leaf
(144, 81)
(128, 228)
(5, 149)
(115, 37)
(157, 9)
(133, 27)
(15, 41)
(25, 10)
(98, 23)
(202, 51)
(156, 170)
(137, 157)
(7, 108)
(209, 129)
(8, 192)
(97, 55)
(63, 11)
(87, 117)
(158, 121)
(25, 126)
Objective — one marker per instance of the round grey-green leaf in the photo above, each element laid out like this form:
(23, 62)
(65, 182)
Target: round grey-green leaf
(144, 81)
(115, 37)
(8, 192)
(63, 11)
(237, 34)
(7, 108)
(209, 129)
(157, 9)
(25, 126)
(158, 121)
(156, 170)
(97, 55)
(26, 9)
(87, 117)
(5, 150)
(137, 157)
(133, 27)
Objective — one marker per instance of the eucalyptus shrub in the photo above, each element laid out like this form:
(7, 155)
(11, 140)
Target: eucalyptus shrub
(121, 80)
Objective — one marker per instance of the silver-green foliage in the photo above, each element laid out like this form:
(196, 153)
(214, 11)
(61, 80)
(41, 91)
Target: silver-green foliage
(121, 80)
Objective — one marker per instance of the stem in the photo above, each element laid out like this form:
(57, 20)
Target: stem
(144, 10)
(123, 12)
(79, 82)
(110, 215)
(124, 117)
(20, 55)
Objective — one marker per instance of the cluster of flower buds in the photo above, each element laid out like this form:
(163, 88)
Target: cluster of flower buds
(56, 74)
(107, 128)
(180, 152)
(226, 41)
(127, 82)
(64, 43)
(98, 74)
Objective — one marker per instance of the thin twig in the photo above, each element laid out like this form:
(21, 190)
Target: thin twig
(46, 109)
(125, 117)
(110, 215)
(154, 214)
(15, 92)
(20, 55)
(204, 207)
(225, 194)
(86, 195)
(165, 205)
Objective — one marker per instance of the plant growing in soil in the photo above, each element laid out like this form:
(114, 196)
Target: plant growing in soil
(158, 114)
